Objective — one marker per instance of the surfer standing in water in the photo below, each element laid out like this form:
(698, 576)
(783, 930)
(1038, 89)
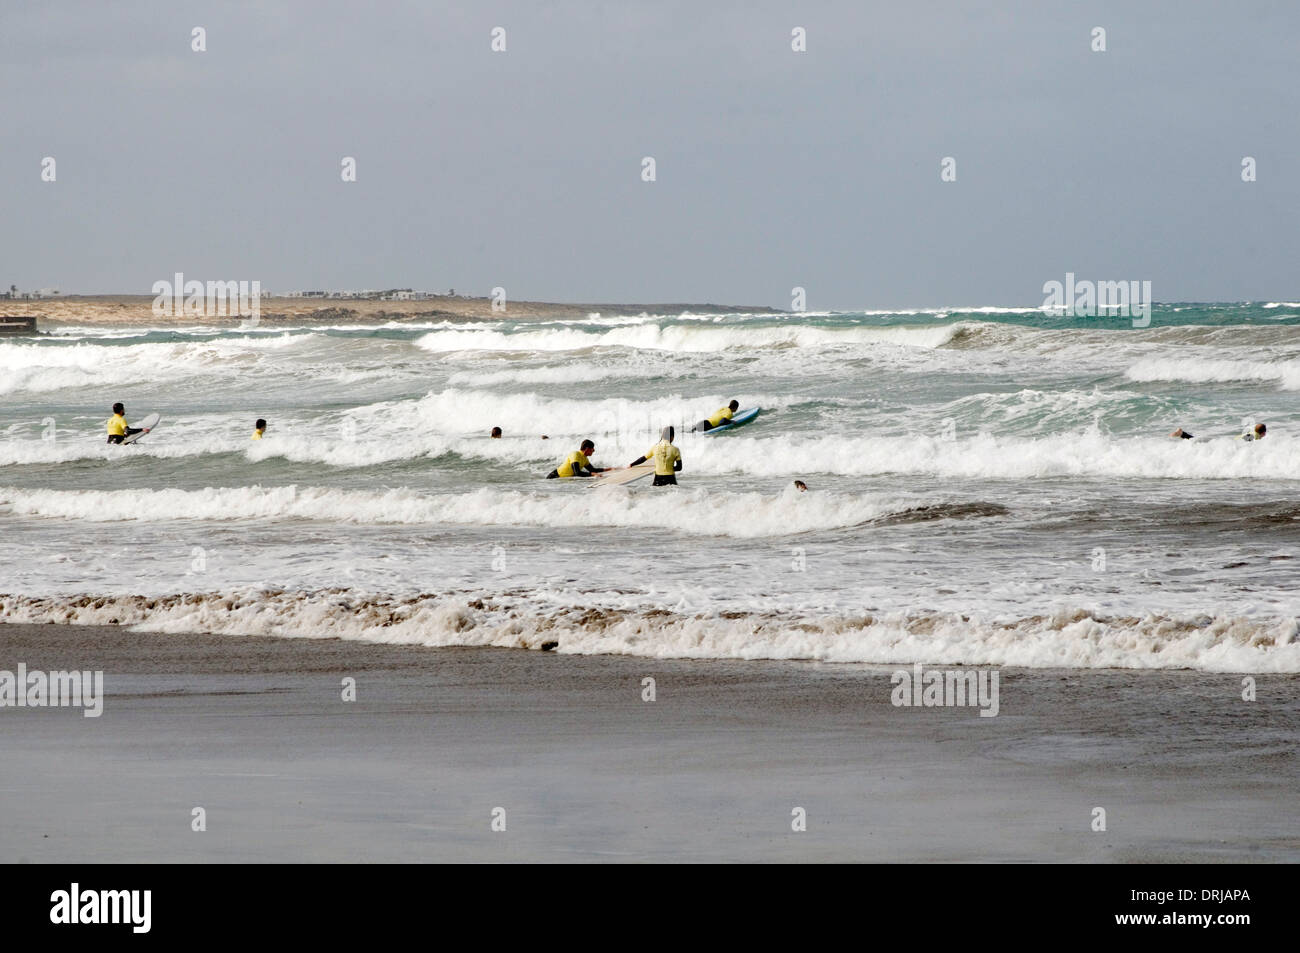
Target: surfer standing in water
(721, 416)
(117, 428)
(667, 459)
(578, 464)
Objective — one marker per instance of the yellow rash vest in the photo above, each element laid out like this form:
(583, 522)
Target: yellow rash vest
(720, 417)
(664, 455)
(575, 462)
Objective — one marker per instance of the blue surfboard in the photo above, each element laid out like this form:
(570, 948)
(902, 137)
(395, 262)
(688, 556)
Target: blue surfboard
(742, 417)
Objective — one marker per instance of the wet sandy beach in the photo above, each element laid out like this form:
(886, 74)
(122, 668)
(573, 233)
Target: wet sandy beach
(256, 733)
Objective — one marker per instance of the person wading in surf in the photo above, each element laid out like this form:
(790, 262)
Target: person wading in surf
(1256, 433)
(117, 428)
(667, 459)
(578, 464)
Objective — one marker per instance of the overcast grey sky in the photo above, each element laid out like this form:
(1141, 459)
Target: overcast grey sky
(775, 168)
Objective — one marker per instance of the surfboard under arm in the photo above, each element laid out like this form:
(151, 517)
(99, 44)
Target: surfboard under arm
(145, 425)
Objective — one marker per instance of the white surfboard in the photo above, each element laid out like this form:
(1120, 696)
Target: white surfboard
(626, 475)
(145, 426)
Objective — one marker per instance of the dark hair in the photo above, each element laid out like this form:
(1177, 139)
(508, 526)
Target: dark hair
(119, 409)
(1260, 428)
(586, 444)
(496, 431)
(734, 405)
(261, 423)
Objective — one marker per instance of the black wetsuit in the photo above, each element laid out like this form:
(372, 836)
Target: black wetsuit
(118, 438)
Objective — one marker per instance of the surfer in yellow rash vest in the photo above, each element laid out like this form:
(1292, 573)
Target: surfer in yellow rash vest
(720, 416)
(578, 464)
(667, 459)
(259, 429)
(117, 428)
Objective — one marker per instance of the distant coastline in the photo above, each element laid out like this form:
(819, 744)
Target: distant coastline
(137, 310)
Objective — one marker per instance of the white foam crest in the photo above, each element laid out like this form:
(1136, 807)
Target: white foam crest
(331, 443)
(630, 422)
(1212, 371)
(989, 309)
(984, 456)
(1029, 403)
(711, 338)
(454, 420)
(564, 504)
(555, 374)
(1071, 639)
(189, 439)
(42, 368)
(623, 430)
(344, 450)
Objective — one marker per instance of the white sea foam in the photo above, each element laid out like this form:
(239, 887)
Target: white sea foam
(44, 368)
(555, 374)
(1207, 370)
(984, 456)
(1073, 431)
(477, 410)
(1067, 639)
(457, 421)
(683, 338)
(565, 505)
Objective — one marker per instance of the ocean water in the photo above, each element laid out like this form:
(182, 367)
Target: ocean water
(987, 486)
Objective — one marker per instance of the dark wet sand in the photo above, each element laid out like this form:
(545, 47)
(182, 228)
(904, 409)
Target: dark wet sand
(254, 731)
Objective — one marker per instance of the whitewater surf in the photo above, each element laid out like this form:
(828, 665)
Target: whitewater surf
(986, 485)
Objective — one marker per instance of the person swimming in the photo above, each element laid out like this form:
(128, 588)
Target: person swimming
(578, 464)
(259, 428)
(1256, 433)
(721, 416)
(667, 459)
(117, 426)
(496, 433)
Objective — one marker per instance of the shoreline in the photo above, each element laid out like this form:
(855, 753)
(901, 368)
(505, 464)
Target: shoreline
(255, 731)
(136, 311)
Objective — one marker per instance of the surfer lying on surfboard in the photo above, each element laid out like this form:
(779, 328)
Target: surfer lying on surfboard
(117, 428)
(720, 416)
(578, 464)
(666, 457)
